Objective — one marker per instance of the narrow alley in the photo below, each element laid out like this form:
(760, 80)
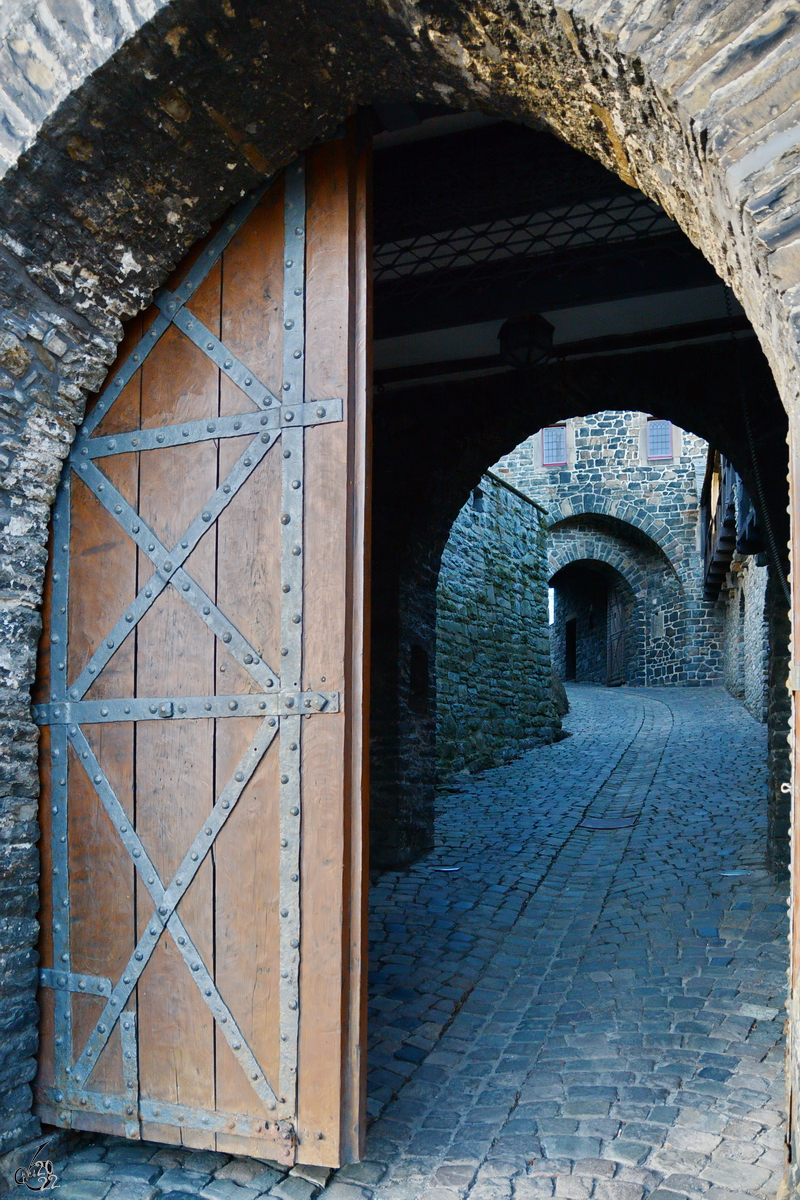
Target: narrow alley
(579, 993)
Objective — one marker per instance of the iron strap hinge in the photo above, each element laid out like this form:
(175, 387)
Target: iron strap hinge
(191, 708)
(160, 437)
(82, 1100)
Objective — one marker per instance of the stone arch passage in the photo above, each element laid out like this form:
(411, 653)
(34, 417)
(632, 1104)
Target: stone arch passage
(663, 636)
(584, 646)
(125, 140)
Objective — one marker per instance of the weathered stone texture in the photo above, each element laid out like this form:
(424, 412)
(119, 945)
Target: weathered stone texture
(492, 648)
(745, 635)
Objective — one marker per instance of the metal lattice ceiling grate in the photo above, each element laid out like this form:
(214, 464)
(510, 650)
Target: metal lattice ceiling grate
(615, 219)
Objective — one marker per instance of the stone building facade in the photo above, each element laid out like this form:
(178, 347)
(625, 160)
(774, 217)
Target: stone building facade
(492, 648)
(624, 543)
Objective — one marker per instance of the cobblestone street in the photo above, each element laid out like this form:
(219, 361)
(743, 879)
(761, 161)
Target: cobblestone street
(578, 994)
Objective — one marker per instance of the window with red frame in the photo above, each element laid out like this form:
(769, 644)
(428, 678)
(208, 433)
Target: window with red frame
(659, 439)
(554, 446)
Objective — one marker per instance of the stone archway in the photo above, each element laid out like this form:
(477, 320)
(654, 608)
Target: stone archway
(124, 141)
(661, 640)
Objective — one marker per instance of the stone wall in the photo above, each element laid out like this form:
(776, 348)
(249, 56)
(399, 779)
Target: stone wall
(492, 650)
(745, 637)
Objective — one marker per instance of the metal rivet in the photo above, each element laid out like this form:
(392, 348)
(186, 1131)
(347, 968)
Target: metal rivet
(98, 778)
(137, 854)
(186, 587)
(284, 652)
(294, 878)
(153, 708)
(293, 1005)
(225, 803)
(271, 722)
(289, 262)
(181, 941)
(288, 416)
(284, 843)
(138, 956)
(227, 364)
(248, 658)
(294, 943)
(248, 382)
(295, 812)
(167, 565)
(265, 438)
(237, 424)
(194, 856)
(247, 462)
(162, 908)
(209, 345)
(237, 1045)
(287, 387)
(284, 912)
(206, 516)
(226, 637)
(299, 230)
(159, 437)
(185, 432)
(298, 354)
(195, 966)
(285, 519)
(184, 545)
(286, 588)
(207, 706)
(226, 487)
(127, 708)
(233, 705)
(296, 619)
(296, 551)
(206, 610)
(128, 616)
(134, 441)
(288, 324)
(287, 454)
(284, 778)
(211, 427)
(298, 291)
(179, 880)
(181, 708)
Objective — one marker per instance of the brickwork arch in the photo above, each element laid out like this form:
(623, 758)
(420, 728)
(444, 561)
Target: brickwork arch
(664, 643)
(566, 547)
(631, 519)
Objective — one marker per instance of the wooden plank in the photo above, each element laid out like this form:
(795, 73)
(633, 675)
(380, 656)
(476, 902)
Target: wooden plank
(96, 605)
(354, 1094)
(246, 855)
(103, 582)
(174, 762)
(327, 887)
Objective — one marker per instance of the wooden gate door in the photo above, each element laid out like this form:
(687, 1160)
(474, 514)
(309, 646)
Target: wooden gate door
(616, 638)
(201, 702)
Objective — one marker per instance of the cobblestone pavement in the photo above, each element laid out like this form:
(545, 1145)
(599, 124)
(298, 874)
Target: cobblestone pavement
(578, 994)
